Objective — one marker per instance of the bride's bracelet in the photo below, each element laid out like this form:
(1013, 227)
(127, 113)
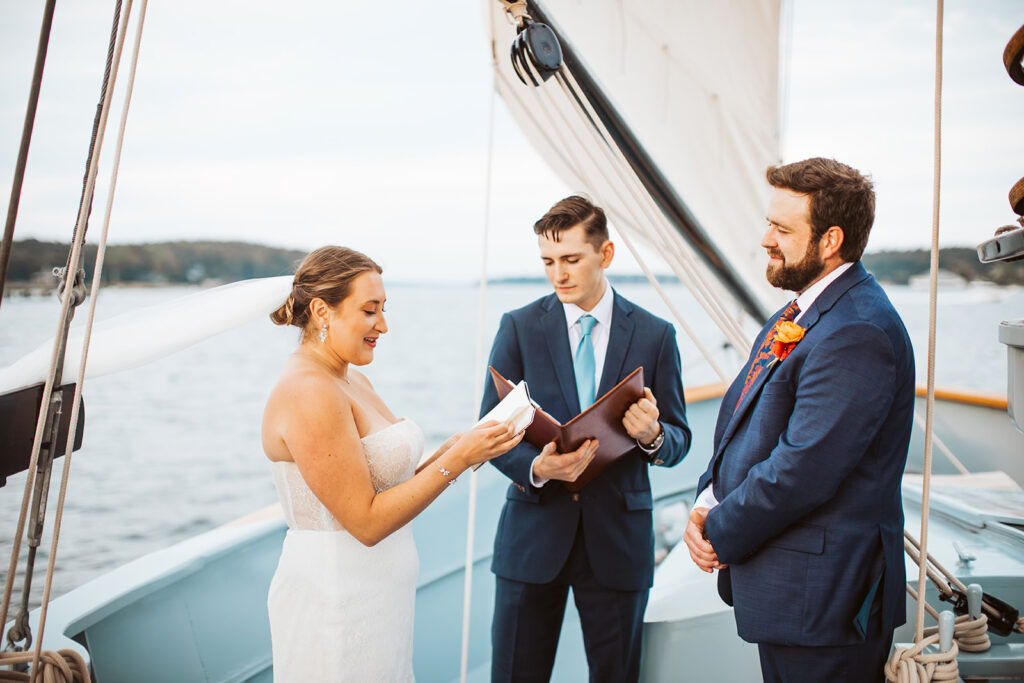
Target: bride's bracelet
(447, 473)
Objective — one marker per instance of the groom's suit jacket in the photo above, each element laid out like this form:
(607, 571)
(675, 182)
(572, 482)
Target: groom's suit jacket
(538, 525)
(807, 472)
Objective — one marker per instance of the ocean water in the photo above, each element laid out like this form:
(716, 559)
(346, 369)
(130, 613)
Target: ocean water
(172, 449)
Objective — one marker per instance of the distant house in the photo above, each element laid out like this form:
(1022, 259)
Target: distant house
(947, 279)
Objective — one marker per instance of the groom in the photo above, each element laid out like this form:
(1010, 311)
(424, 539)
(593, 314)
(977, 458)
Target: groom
(571, 347)
(800, 506)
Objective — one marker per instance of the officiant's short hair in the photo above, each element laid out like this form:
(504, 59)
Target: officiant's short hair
(570, 212)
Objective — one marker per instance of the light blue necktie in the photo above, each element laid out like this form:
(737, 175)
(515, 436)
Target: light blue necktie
(583, 363)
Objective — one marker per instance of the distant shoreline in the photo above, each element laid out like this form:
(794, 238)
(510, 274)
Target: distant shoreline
(19, 290)
(204, 264)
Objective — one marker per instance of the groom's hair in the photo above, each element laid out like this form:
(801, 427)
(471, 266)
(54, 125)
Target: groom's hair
(840, 195)
(569, 213)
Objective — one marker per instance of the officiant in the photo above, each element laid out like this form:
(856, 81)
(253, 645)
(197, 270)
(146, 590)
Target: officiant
(571, 347)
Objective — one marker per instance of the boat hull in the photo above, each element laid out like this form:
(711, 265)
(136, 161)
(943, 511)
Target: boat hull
(197, 611)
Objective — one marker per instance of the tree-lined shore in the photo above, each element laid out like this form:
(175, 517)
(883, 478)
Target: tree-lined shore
(203, 262)
(155, 263)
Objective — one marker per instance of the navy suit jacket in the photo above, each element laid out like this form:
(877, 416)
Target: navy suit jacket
(538, 525)
(808, 470)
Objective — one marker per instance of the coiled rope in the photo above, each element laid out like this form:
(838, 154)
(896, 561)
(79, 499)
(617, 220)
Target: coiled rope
(913, 665)
(63, 666)
(970, 634)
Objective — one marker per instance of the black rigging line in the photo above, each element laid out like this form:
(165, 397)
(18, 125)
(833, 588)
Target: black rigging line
(92, 140)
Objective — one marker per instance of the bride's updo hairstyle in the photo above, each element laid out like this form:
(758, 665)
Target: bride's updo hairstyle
(327, 274)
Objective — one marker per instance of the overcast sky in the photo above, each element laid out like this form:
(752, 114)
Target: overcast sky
(365, 124)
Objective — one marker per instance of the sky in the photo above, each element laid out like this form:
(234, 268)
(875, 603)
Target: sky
(366, 124)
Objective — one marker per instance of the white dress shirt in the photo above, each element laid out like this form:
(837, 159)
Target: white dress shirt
(602, 312)
(707, 499)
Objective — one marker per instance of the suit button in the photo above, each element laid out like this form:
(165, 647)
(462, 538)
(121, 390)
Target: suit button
(521, 488)
(659, 461)
(575, 497)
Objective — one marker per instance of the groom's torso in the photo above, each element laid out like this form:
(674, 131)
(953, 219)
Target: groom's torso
(856, 534)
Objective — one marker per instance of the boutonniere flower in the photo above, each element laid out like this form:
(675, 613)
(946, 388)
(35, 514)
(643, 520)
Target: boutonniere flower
(787, 334)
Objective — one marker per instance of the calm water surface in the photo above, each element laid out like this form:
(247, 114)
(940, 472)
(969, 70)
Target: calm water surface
(172, 449)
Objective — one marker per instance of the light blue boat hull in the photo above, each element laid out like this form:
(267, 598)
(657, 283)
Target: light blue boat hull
(197, 611)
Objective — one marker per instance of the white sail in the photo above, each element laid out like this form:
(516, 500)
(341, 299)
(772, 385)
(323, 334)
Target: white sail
(138, 337)
(697, 85)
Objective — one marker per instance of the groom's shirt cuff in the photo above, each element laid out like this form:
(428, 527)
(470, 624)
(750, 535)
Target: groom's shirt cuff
(706, 499)
(534, 481)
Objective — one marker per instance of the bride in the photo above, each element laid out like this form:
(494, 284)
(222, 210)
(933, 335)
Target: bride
(345, 468)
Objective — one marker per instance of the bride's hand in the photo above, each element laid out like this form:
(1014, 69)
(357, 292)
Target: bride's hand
(486, 441)
(443, 448)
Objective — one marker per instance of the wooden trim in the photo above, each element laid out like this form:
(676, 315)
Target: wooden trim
(971, 397)
(705, 392)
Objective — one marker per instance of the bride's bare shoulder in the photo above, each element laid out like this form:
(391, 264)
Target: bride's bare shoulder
(305, 386)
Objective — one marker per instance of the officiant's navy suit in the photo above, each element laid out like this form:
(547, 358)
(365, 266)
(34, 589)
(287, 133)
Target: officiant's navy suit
(807, 472)
(544, 533)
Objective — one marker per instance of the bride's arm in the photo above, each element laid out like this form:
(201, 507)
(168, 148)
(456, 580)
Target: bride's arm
(438, 453)
(320, 433)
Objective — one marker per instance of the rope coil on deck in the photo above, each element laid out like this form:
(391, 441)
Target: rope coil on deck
(971, 635)
(913, 665)
(62, 666)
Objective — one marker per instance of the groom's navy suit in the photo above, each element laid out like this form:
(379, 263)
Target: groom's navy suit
(545, 532)
(807, 471)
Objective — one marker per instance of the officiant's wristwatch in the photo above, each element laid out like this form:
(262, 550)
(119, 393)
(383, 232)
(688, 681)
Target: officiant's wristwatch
(652, 447)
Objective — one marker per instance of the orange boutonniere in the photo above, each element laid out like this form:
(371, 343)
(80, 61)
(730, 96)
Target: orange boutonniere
(787, 334)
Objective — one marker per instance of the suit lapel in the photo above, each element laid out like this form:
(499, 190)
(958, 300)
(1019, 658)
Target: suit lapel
(853, 275)
(827, 299)
(556, 333)
(737, 414)
(619, 337)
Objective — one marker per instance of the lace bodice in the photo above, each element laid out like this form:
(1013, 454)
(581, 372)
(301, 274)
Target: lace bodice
(391, 454)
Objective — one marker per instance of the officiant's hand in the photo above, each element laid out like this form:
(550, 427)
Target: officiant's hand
(551, 464)
(486, 441)
(641, 419)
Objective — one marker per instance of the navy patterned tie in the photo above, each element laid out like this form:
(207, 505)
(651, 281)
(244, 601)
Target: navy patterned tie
(765, 355)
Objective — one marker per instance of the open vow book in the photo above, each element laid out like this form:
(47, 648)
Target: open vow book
(515, 408)
(602, 420)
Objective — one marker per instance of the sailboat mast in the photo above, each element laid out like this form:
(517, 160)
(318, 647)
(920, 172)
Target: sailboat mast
(650, 175)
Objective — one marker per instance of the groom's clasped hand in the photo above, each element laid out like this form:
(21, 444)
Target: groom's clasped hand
(701, 551)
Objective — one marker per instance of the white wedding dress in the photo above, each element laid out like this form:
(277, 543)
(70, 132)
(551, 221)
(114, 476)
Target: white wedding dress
(340, 611)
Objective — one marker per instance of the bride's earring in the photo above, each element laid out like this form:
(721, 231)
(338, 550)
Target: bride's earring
(323, 333)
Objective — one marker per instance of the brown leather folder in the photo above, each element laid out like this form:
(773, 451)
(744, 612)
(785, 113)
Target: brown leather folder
(602, 420)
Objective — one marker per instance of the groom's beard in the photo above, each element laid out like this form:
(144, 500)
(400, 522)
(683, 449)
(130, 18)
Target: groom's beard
(798, 276)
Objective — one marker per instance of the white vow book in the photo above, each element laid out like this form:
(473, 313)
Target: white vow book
(516, 409)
